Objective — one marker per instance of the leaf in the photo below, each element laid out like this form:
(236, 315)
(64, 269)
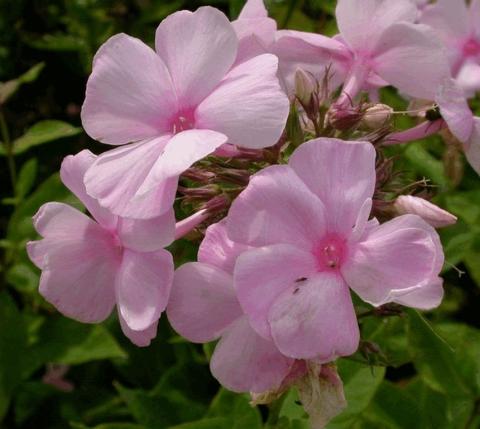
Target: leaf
(26, 178)
(425, 163)
(7, 89)
(44, 132)
(64, 341)
(212, 423)
(56, 42)
(433, 357)
(360, 383)
(237, 408)
(23, 278)
(466, 205)
(12, 349)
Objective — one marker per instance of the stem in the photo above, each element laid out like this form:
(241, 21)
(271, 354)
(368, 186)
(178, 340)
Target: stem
(8, 150)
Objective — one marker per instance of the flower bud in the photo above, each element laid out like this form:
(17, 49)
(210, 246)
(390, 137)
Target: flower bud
(304, 87)
(344, 117)
(430, 213)
(376, 116)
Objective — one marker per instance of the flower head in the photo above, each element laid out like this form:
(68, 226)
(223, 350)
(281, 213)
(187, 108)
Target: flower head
(309, 224)
(90, 265)
(173, 106)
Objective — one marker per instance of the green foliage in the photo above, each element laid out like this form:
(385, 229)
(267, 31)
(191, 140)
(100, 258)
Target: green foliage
(411, 371)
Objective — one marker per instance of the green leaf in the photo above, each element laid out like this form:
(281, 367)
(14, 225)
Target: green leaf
(425, 163)
(12, 349)
(466, 205)
(360, 383)
(433, 358)
(26, 178)
(64, 341)
(44, 132)
(57, 42)
(7, 89)
(23, 278)
(75, 425)
(237, 408)
(212, 423)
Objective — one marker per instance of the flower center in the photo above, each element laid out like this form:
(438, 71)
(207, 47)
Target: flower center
(471, 48)
(330, 253)
(183, 120)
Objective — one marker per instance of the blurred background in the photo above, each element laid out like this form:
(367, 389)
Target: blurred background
(56, 373)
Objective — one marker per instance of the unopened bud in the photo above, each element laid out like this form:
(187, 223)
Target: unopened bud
(430, 213)
(304, 87)
(343, 117)
(377, 116)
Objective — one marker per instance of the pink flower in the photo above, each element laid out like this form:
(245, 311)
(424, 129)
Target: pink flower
(309, 222)
(378, 44)
(458, 25)
(203, 307)
(173, 106)
(89, 265)
(430, 213)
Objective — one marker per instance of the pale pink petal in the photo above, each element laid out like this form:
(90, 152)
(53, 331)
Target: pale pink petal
(398, 255)
(429, 212)
(72, 173)
(181, 152)
(410, 57)
(139, 338)
(315, 319)
(248, 106)
(129, 93)
(253, 9)
(218, 250)
(117, 175)
(341, 174)
(425, 297)
(449, 19)
(472, 147)
(78, 260)
(198, 49)
(255, 37)
(276, 207)
(455, 110)
(361, 22)
(245, 362)
(147, 235)
(468, 77)
(313, 53)
(202, 302)
(262, 274)
(143, 286)
(474, 15)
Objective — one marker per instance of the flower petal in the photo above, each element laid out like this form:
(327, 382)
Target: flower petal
(130, 93)
(401, 254)
(361, 22)
(72, 173)
(253, 9)
(410, 57)
(202, 303)
(449, 19)
(147, 235)
(139, 338)
(276, 207)
(315, 319)
(245, 362)
(455, 110)
(198, 49)
(143, 286)
(262, 274)
(425, 297)
(472, 147)
(341, 174)
(248, 106)
(182, 151)
(78, 260)
(218, 250)
(117, 175)
(468, 78)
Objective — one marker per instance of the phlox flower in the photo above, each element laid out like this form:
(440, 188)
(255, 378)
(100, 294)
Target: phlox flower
(170, 107)
(379, 44)
(458, 25)
(309, 224)
(203, 307)
(90, 265)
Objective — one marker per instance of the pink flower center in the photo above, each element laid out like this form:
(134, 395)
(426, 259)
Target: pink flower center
(471, 48)
(182, 121)
(330, 253)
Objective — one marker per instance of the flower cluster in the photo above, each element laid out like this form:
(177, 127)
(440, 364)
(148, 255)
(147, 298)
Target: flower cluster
(277, 142)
